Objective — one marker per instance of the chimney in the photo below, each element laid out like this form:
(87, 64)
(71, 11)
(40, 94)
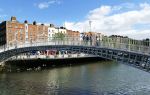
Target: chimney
(13, 18)
(62, 27)
(52, 25)
(42, 24)
(34, 23)
(25, 21)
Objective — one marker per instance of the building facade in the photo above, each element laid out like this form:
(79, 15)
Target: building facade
(73, 35)
(13, 33)
(51, 32)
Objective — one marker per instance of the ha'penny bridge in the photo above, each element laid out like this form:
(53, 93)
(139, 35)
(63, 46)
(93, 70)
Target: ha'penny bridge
(134, 55)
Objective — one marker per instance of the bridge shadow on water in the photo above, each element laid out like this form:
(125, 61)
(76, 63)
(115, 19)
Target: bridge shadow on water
(41, 64)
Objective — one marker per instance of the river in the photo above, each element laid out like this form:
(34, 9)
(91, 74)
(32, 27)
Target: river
(99, 78)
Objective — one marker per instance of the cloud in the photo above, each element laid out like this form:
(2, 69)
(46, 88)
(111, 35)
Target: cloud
(111, 20)
(3, 15)
(44, 5)
(125, 6)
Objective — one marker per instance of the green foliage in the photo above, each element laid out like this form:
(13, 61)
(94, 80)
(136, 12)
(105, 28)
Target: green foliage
(59, 36)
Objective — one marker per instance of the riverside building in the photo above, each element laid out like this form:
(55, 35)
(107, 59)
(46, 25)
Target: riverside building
(16, 33)
(13, 33)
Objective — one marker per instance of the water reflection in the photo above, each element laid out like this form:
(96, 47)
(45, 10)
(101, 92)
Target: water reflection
(102, 78)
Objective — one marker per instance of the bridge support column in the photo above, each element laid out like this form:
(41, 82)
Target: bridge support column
(111, 55)
(129, 58)
(147, 63)
(123, 57)
(135, 59)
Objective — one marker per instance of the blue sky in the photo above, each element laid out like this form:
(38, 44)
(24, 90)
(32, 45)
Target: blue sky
(57, 13)
(123, 17)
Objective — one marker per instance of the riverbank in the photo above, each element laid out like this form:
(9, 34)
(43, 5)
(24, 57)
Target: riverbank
(39, 64)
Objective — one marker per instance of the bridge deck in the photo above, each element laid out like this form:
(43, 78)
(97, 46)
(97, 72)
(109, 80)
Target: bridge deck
(133, 54)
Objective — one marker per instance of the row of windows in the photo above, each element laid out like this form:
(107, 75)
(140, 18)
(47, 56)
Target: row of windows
(26, 27)
(10, 26)
(21, 30)
(57, 31)
(51, 35)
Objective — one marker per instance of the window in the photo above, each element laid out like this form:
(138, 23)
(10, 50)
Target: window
(26, 39)
(21, 31)
(9, 30)
(21, 37)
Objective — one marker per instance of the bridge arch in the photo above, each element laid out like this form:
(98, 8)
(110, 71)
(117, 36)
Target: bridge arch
(107, 53)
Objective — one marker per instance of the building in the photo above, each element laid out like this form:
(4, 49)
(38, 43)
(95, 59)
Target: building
(62, 30)
(73, 35)
(51, 32)
(31, 32)
(16, 33)
(146, 42)
(95, 36)
(42, 33)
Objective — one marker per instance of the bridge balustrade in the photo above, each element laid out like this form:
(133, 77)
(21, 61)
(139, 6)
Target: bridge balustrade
(73, 42)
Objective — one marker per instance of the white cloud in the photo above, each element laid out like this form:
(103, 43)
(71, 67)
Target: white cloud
(3, 15)
(105, 20)
(125, 6)
(44, 5)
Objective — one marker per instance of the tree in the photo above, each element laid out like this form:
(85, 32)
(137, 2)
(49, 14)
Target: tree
(59, 36)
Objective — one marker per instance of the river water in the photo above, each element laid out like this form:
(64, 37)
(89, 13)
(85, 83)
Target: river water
(100, 78)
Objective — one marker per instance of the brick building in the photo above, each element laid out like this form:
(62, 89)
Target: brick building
(42, 33)
(73, 35)
(14, 33)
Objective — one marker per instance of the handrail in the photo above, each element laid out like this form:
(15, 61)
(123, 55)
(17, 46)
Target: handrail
(79, 42)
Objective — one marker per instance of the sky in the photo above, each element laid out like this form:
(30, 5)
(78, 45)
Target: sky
(110, 17)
